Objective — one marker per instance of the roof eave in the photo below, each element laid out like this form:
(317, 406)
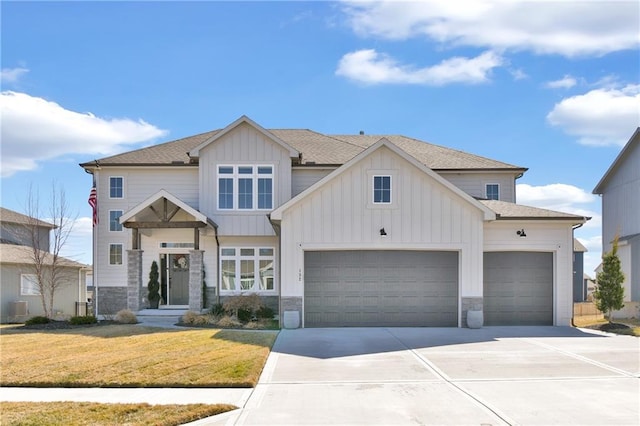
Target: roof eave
(599, 189)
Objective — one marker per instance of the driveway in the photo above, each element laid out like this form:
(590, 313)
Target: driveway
(448, 376)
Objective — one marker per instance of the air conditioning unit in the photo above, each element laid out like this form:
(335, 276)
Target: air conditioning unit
(18, 308)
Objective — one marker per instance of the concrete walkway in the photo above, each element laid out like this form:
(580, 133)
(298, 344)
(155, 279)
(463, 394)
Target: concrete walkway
(396, 376)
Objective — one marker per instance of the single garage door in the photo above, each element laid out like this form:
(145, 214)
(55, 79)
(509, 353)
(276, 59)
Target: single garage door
(518, 288)
(381, 289)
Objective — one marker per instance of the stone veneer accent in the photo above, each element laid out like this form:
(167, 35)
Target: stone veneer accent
(134, 279)
(470, 304)
(195, 280)
(291, 304)
(111, 300)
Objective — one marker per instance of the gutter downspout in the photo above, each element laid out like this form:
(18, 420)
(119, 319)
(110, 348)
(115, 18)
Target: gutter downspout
(94, 247)
(215, 229)
(573, 235)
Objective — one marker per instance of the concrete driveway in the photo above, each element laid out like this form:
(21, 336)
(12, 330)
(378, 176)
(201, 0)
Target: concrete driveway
(447, 376)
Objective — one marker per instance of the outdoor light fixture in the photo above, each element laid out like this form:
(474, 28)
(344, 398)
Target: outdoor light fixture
(383, 232)
(521, 233)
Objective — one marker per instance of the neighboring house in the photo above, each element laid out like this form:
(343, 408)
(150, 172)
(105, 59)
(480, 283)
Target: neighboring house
(18, 291)
(620, 191)
(579, 284)
(590, 287)
(331, 230)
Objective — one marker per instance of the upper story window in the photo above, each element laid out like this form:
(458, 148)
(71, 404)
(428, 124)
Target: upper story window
(492, 191)
(382, 189)
(114, 220)
(116, 187)
(246, 269)
(247, 187)
(29, 285)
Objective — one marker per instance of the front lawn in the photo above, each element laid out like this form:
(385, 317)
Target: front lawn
(87, 413)
(629, 327)
(133, 356)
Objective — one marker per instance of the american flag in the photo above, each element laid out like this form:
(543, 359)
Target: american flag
(93, 202)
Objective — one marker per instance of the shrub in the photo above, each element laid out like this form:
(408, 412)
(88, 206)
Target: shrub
(83, 320)
(265, 312)
(125, 316)
(37, 320)
(217, 310)
(190, 317)
(244, 315)
(228, 322)
(153, 287)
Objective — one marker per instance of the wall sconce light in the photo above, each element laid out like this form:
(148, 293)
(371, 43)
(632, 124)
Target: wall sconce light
(521, 233)
(383, 232)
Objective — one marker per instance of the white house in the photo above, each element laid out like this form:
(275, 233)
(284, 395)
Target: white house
(338, 230)
(620, 191)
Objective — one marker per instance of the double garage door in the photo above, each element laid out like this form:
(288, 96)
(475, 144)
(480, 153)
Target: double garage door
(420, 289)
(381, 288)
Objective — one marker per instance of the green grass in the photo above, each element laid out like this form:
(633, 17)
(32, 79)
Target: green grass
(85, 413)
(133, 356)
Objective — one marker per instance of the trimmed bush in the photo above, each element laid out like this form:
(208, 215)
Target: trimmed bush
(265, 312)
(125, 316)
(244, 315)
(218, 310)
(37, 320)
(83, 320)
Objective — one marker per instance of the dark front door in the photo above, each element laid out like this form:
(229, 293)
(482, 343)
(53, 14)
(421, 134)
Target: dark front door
(178, 279)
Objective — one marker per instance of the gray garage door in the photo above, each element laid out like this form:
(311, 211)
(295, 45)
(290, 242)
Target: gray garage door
(518, 288)
(381, 288)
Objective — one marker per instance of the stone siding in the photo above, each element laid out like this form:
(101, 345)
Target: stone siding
(111, 300)
(134, 279)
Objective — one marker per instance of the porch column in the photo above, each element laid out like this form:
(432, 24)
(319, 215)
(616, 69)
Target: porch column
(195, 280)
(134, 279)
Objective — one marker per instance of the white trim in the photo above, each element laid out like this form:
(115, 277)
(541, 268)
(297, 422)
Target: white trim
(118, 221)
(256, 257)
(486, 195)
(31, 279)
(373, 189)
(121, 254)
(235, 176)
(163, 194)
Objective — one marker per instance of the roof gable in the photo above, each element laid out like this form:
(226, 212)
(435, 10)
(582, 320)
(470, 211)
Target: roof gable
(383, 142)
(10, 216)
(195, 152)
(619, 161)
(129, 215)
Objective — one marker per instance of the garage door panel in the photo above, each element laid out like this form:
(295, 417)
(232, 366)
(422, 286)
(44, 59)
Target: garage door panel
(518, 288)
(381, 288)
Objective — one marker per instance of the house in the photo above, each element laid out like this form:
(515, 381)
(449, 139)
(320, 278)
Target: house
(620, 192)
(331, 230)
(18, 289)
(579, 282)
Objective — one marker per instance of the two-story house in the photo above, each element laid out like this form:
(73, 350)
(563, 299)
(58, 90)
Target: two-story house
(335, 230)
(620, 191)
(19, 291)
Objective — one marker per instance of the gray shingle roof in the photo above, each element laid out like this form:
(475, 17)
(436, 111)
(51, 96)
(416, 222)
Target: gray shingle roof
(22, 255)
(10, 216)
(506, 211)
(316, 148)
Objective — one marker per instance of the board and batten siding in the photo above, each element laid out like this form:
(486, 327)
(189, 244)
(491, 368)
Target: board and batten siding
(621, 199)
(474, 184)
(303, 178)
(556, 238)
(243, 145)
(424, 215)
(139, 184)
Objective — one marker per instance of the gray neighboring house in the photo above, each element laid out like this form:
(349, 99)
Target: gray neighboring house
(620, 191)
(331, 230)
(579, 282)
(18, 293)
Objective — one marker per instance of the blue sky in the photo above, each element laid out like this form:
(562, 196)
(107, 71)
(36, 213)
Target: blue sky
(552, 86)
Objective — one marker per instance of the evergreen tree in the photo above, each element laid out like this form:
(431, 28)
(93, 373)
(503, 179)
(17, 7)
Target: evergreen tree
(609, 294)
(154, 286)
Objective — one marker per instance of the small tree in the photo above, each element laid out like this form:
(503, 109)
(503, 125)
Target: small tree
(49, 267)
(153, 286)
(609, 294)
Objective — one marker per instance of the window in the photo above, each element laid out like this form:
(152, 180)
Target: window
(114, 220)
(116, 187)
(245, 187)
(493, 191)
(115, 254)
(246, 269)
(29, 285)
(382, 189)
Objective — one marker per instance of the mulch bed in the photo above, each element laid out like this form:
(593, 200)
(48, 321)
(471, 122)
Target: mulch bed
(609, 326)
(63, 325)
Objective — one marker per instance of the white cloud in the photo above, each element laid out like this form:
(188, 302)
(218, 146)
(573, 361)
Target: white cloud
(34, 130)
(580, 28)
(605, 116)
(371, 67)
(12, 75)
(565, 82)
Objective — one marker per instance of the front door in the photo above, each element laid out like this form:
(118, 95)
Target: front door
(178, 279)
